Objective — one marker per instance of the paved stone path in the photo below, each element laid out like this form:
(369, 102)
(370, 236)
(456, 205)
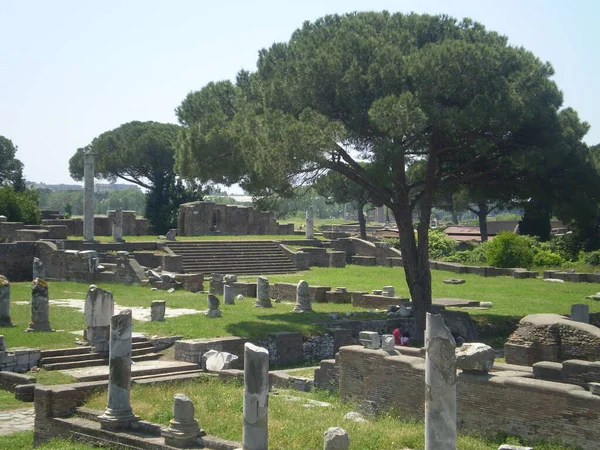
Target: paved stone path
(13, 420)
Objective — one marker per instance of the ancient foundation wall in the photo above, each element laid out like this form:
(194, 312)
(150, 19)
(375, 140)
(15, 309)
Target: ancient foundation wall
(500, 401)
(16, 260)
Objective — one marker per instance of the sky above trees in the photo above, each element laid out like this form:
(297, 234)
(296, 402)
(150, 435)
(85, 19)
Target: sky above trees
(71, 70)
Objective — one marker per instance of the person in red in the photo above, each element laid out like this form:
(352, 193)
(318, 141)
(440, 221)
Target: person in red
(397, 333)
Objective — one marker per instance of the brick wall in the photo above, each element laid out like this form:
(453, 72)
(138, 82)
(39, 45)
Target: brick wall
(376, 301)
(500, 401)
(287, 292)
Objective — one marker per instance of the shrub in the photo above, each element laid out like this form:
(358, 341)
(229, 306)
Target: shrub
(510, 250)
(545, 258)
(440, 245)
(20, 206)
(566, 245)
(591, 258)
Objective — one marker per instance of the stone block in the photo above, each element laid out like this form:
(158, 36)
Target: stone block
(369, 339)
(475, 357)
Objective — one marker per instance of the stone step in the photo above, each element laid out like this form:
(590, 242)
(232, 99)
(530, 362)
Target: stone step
(159, 378)
(65, 351)
(141, 344)
(74, 364)
(147, 368)
(51, 360)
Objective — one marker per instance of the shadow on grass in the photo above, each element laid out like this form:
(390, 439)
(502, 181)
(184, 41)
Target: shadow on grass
(305, 323)
(495, 329)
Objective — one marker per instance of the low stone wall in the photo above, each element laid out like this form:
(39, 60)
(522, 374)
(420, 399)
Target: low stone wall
(376, 301)
(317, 256)
(574, 277)
(300, 259)
(19, 359)
(191, 350)
(573, 371)
(485, 403)
(10, 380)
(8, 229)
(337, 259)
(16, 260)
(287, 292)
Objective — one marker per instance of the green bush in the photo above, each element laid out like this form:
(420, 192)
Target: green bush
(476, 255)
(591, 258)
(566, 245)
(545, 258)
(510, 250)
(20, 206)
(440, 245)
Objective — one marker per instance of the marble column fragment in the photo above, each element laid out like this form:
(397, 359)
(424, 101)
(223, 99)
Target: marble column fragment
(183, 430)
(88, 196)
(303, 303)
(213, 306)
(157, 310)
(336, 438)
(117, 230)
(310, 223)
(39, 307)
(98, 309)
(118, 414)
(580, 313)
(256, 398)
(228, 294)
(440, 385)
(5, 302)
(263, 293)
(38, 269)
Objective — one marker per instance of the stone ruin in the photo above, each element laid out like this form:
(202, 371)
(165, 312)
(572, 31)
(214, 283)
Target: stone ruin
(551, 337)
(206, 218)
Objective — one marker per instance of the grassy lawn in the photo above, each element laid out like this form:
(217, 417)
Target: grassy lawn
(8, 401)
(291, 425)
(511, 300)
(24, 439)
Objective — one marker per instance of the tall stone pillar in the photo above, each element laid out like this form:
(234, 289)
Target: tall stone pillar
(310, 223)
(263, 293)
(5, 302)
(117, 229)
(256, 398)
(88, 196)
(98, 309)
(39, 307)
(440, 385)
(118, 414)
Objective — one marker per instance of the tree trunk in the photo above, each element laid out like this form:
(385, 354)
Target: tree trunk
(482, 214)
(362, 222)
(454, 216)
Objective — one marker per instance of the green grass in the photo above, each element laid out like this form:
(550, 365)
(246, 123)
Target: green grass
(51, 377)
(291, 426)
(8, 401)
(511, 298)
(24, 439)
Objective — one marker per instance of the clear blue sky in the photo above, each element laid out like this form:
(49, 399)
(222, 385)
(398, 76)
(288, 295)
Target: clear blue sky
(70, 70)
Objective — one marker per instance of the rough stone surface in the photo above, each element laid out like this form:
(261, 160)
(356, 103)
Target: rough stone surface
(256, 398)
(171, 234)
(5, 320)
(355, 417)
(455, 281)
(98, 309)
(580, 313)
(263, 293)
(551, 337)
(475, 357)
(228, 294)
(118, 414)
(2, 343)
(183, 430)
(117, 226)
(388, 343)
(440, 385)
(214, 360)
(39, 307)
(157, 310)
(213, 306)
(370, 339)
(38, 269)
(336, 438)
(310, 223)
(388, 291)
(303, 303)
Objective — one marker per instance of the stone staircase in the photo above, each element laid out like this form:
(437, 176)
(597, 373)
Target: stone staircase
(73, 358)
(237, 257)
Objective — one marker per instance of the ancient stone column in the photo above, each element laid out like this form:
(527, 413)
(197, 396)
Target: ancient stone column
(310, 223)
(39, 307)
(98, 309)
(183, 430)
(118, 414)
(336, 438)
(580, 313)
(117, 230)
(38, 269)
(171, 234)
(228, 294)
(157, 310)
(256, 397)
(213, 306)
(2, 343)
(5, 302)
(303, 303)
(88, 196)
(440, 385)
(263, 293)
